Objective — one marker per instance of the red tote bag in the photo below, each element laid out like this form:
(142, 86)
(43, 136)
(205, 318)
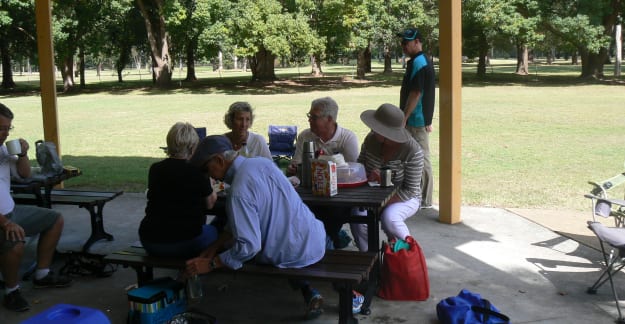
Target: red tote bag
(404, 274)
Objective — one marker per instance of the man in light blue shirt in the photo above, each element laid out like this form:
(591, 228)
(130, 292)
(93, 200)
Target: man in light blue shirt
(268, 220)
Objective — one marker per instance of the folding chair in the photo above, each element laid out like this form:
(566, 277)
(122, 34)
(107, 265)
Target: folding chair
(282, 142)
(614, 262)
(605, 206)
(602, 190)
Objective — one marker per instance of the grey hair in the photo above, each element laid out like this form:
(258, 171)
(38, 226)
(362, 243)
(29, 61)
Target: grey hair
(181, 140)
(230, 155)
(328, 107)
(6, 112)
(238, 107)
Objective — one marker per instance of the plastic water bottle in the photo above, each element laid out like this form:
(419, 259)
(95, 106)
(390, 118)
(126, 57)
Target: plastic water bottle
(194, 289)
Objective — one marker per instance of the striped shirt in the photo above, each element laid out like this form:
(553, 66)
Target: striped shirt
(407, 165)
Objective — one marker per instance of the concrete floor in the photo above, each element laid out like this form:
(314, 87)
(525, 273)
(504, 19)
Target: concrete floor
(530, 273)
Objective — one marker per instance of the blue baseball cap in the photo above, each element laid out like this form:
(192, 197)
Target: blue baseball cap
(410, 34)
(208, 147)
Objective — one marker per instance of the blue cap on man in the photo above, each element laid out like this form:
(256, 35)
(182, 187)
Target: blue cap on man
(208, 147)
(410, 34)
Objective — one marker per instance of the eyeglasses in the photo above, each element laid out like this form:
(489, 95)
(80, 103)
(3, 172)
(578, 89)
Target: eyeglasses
(313, 117)
(6, 128)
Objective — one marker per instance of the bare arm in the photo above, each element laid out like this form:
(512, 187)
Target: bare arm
(23, 164)
(210, 200)
(411, 104)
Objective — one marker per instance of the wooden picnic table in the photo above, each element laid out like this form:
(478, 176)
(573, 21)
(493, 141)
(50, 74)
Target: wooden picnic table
(371, 198)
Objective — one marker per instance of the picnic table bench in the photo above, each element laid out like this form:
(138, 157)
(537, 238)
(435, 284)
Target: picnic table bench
(346, 269)
(92, 201)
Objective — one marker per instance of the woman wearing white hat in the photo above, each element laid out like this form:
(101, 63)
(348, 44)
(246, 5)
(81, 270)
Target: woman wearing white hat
(390, 145)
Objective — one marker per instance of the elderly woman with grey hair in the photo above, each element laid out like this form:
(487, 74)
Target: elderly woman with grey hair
(178, 196)
(239, 119)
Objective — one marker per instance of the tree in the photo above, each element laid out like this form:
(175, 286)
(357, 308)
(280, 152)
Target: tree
(197, 26)
(262, 32)
(394, 16)
(522, 25)
(482, 21)
(153, 12)
(17, 35)
(125, 35)
(587, 25)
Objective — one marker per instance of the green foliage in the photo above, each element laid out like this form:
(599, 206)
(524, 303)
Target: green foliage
(262, 24)
(17, 29)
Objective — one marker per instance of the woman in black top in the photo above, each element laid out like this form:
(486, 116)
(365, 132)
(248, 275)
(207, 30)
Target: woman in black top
(179, 195)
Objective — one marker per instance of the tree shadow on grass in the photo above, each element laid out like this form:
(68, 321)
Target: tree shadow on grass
(333, 79)
(127, 173)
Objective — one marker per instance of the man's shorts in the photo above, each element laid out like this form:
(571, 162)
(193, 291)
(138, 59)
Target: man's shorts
(33, 220)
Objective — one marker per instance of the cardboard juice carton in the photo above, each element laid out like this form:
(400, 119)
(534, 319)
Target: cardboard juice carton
(324, 178)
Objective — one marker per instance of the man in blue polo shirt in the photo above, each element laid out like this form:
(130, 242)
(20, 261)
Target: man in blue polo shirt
(417, 101)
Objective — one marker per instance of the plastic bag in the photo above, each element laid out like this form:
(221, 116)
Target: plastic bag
(48, 158)
(469, 308)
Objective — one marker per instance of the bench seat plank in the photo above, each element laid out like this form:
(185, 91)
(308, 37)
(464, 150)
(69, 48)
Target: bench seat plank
(344, 268)
(92, 201)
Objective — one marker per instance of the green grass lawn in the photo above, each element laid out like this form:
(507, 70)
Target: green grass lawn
(531, 141)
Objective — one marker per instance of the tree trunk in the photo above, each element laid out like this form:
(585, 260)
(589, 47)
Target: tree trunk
(123, 59)
(67, 72)
(592, 63)
(619, 50)
(220, 56)
(361, 64)
(262, 65)
(388, 64)
(482, 53)
(152, 12)
(191, 60)
(551, 55)
(81, 56)
(7, 72)
(368, 59)
(315, 62)
(522, 58)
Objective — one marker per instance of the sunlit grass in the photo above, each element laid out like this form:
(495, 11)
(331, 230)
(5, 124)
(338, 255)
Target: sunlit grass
(527, 141)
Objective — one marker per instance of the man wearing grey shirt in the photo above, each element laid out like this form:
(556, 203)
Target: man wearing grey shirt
(326, 133)
(331, 138)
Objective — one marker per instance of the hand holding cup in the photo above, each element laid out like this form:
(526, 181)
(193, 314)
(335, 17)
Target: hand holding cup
(14, 147)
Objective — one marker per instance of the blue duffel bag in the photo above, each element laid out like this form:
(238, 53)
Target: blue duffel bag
(469, 308)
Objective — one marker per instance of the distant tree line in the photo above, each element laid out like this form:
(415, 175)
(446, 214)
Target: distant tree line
(263, 32)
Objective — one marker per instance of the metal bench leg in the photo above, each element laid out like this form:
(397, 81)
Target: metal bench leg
(97, 226)
(144, 274)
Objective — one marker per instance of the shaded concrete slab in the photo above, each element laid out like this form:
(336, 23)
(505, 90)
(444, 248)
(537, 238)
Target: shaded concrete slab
(529, 272)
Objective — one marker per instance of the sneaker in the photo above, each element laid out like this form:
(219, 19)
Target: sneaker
(357, 301)
(314, 301)
(427, 206)
(15, 302)
(52, 281)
